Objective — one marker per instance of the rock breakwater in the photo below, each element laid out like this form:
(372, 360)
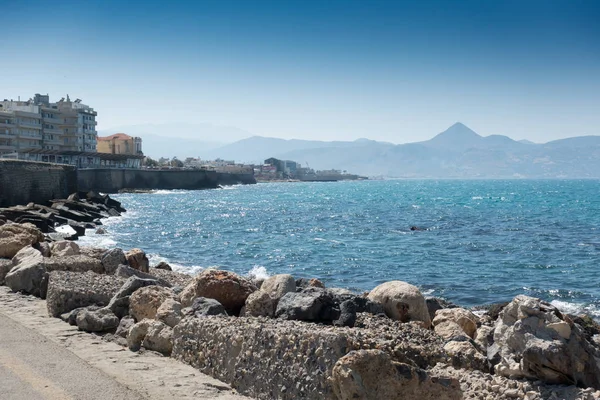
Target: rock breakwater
(287, 338)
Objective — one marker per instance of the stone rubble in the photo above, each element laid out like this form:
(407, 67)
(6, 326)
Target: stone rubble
(310, 341)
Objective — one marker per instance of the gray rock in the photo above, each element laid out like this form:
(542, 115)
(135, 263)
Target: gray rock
(5, 266)
(163, 265)
(96, 321)
(137, 333)
(347, 314)
(119, 304)
(71, 316)
(315, 306)
(124, 325)
(136, 258)
(402, 302)
(111, 260)
(126, 272)
(75, 263)
(70, 290)
(202, 307)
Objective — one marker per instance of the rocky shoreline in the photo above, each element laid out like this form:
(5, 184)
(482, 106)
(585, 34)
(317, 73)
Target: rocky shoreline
(290, 338)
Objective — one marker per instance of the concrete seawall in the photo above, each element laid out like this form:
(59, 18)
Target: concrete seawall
(113, 180)
(22, 182)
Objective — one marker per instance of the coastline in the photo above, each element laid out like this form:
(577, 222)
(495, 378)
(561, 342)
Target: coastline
(278, 318)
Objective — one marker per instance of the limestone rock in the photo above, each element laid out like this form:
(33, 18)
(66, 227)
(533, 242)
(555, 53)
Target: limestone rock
(5, 266)
(154, 335)
(202, 307)
(159, 337)
(446, 319)
(278, 285)
(28, 276)
(173, 278)
(465, 355)
(371, 374)
(137, 260)
(169, 312)
(70, 290)
(436, 303)
(259, 304)
(228, 288)
(111, 260)
(401, 301)
(27, 255)
(137, 333)
(101, 320)
(92, 252)
(314, 282)
(44, 248)
(119, 303)
(74, 263)
(533, 339)
(144, 302)
(64, 248)
(13, 237)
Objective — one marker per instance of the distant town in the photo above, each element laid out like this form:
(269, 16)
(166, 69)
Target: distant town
(64, 132)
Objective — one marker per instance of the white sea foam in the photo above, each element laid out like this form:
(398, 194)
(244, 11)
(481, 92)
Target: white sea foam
(258, 272)
(476, 198)
(577, 308)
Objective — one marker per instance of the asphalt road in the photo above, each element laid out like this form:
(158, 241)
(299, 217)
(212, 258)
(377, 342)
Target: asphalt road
(34, 368)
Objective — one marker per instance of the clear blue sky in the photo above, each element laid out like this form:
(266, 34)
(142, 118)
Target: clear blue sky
(333, 70)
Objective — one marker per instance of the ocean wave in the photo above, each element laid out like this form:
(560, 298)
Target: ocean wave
(258, 272)
(577, 308)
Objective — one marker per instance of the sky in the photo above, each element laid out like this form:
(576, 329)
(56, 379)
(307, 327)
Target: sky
(396, 71)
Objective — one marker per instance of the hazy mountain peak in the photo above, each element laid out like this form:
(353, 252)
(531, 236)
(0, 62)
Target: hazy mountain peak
(457, 136)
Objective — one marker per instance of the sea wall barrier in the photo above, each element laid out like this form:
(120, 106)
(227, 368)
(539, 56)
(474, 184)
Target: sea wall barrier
(22, 182)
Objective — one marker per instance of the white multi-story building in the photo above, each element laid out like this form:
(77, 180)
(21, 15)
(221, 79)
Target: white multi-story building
(37, 124)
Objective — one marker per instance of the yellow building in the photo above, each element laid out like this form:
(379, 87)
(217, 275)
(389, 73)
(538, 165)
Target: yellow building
(120, 143)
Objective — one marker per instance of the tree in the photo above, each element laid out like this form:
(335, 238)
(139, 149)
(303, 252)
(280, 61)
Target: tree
(149, 162)
(175, 162)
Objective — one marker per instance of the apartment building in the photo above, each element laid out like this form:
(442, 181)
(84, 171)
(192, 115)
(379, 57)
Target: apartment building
(38, 124)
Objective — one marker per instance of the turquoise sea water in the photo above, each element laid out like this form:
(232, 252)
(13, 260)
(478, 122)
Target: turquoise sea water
(485, 241)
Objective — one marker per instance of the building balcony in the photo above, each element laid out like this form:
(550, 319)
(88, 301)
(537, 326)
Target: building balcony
(4, 124)
(53, 131)
(6, 135)
(30, 146)
(30, 125)
(5, 147)
(54, 120)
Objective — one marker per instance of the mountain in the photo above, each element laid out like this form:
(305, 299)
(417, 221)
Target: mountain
(458, 152)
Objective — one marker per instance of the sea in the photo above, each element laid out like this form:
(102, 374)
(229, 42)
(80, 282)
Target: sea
(476, 242)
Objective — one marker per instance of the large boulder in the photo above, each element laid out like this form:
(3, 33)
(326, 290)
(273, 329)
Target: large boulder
(154, 335)
(464, 354)
(70, 290)
(28, 274)
(126, 272)
(202, 307)
(402, 301)
(533, 339)
(317, 306)
(228, 288)
(259, 304)
(73, 263)
(169, 312)
(64, 248)
(371, 374)
(101, 320)
(137, 260)
(13, 237)
(111, 260)
(449, 322)
(119, 303)
(277, 286)
(144, 302)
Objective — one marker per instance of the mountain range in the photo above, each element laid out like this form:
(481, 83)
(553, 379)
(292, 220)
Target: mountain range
(458, 152)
